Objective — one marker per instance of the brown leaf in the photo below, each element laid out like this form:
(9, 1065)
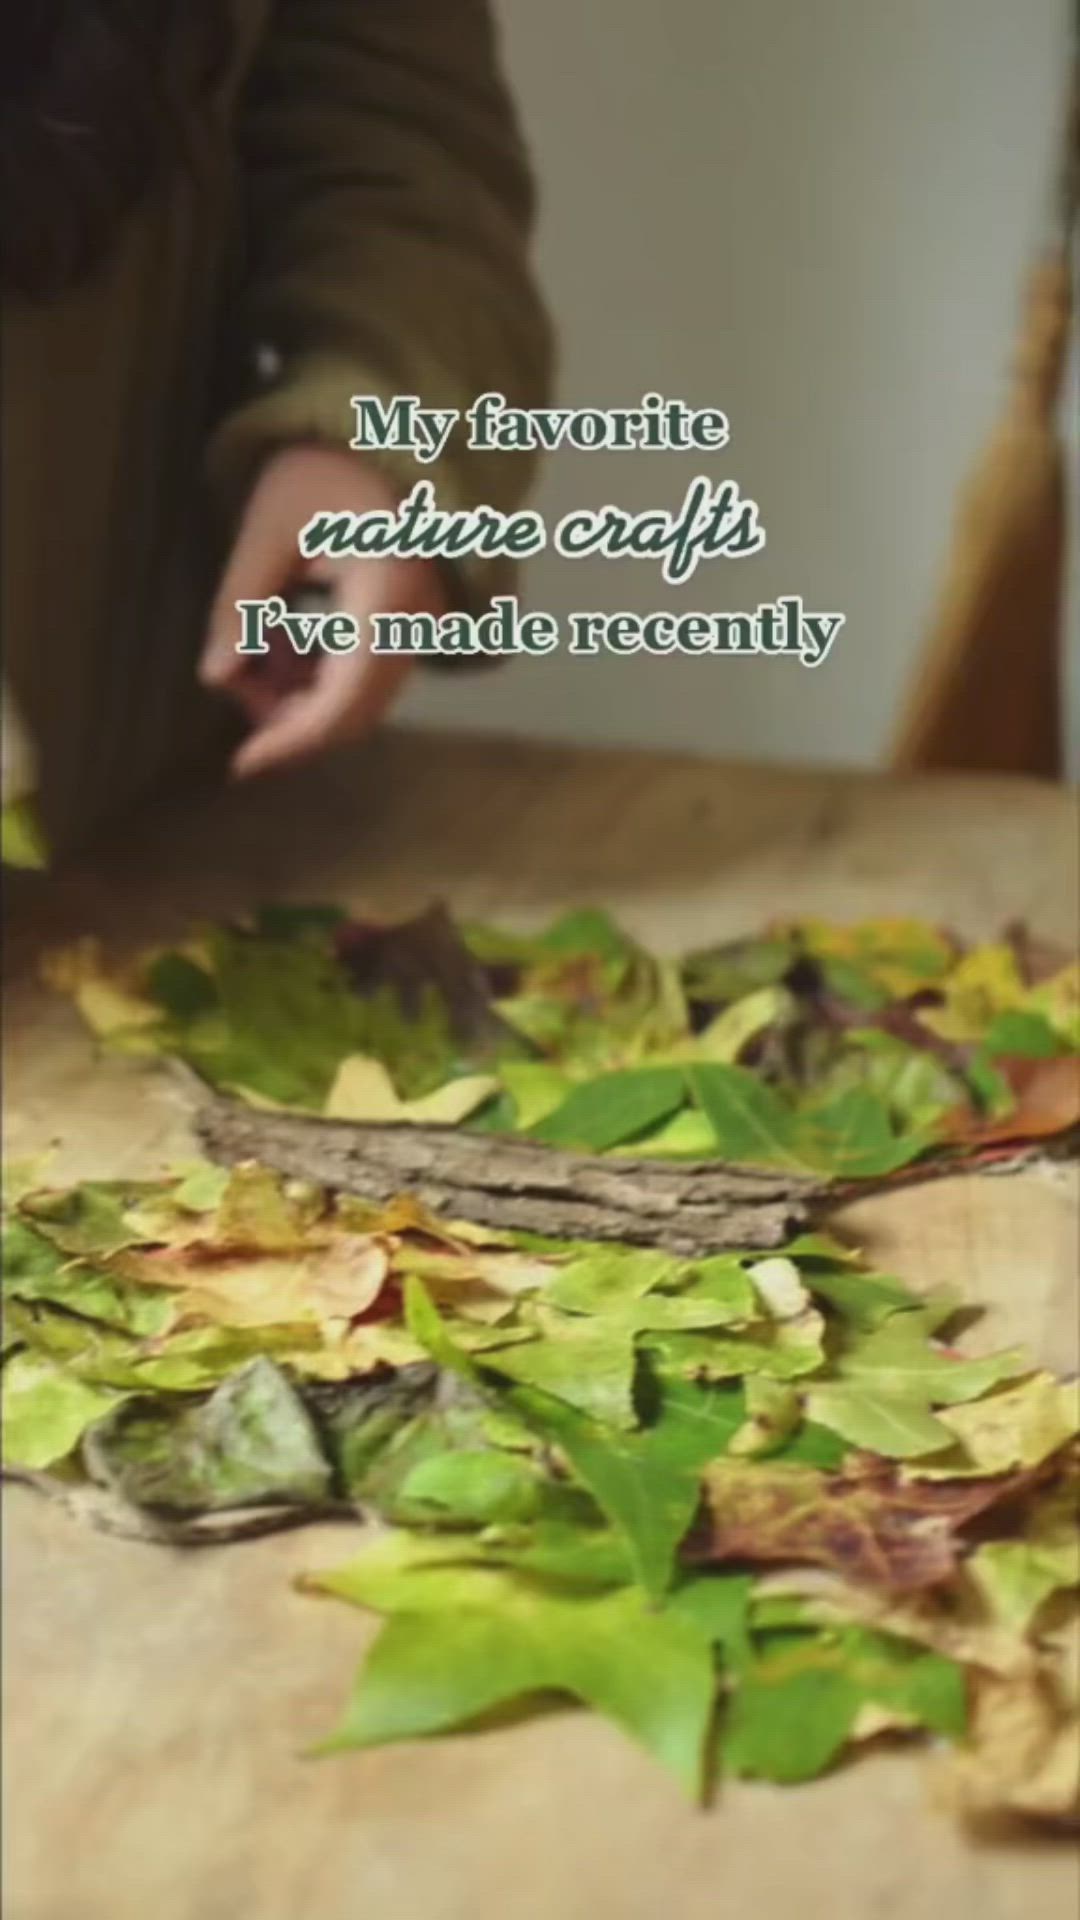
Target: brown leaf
(864, 1522)
(1022, 1754)
(1047, 1095)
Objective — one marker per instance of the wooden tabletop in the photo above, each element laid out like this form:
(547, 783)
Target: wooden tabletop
(157, 1701)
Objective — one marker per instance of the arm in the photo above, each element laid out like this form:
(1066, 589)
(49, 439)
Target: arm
(390, 213)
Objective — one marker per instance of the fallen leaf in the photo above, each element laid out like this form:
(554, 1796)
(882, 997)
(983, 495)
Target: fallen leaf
(613, 1108)
(873, 1528)
(1019, 1426)
(1022, 1755)
(796, 1707)
(46, 1410)
(363, 1091)
(482, 1638)
(251, 1443)
(884, 1423)
(772, 1412)
(899, 1360)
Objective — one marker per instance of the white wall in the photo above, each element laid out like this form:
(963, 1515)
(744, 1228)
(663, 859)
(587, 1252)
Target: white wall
(815, 214)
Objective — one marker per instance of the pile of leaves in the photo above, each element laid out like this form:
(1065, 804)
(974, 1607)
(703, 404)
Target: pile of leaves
(849, 1052)
(755, 1511)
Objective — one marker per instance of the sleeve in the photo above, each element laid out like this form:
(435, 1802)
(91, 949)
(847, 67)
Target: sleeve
(389, 213)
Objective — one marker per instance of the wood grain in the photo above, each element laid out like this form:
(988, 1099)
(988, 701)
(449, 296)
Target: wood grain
(158, 1703)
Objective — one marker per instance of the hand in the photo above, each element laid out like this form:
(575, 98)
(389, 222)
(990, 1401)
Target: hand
(300, 706)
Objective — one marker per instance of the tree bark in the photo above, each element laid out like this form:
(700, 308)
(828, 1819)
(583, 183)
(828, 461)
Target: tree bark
(689, 1207)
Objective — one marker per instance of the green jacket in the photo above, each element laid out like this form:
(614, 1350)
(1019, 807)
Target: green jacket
(354, 216)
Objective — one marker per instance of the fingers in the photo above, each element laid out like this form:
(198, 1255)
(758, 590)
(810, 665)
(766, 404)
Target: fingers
(262, 562)
(345, 701)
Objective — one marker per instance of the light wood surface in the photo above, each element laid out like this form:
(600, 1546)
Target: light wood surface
(157, 1702)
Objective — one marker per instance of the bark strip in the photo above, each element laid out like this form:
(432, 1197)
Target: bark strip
(688, 1207)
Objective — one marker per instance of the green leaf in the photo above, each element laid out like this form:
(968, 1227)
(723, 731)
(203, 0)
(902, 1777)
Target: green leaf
(851, 1137)
(536, 1089)
(22, 842)
(751, 1122)
(587, 1363)
(884, 1423)
(490, 1639)
(46, 1410)
(898, 1360)
(471, 1489)
(772, 1413)
(1016, 1577)
(867, 1300)
(614, 1107)
(251, 1443)
(796, 1707)
(35, 1269)
(1021, 1034)
(610, 1277)
(1020, 1426)
(646, 1483)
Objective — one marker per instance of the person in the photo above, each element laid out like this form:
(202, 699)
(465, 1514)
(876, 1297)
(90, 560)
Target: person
(223, 220)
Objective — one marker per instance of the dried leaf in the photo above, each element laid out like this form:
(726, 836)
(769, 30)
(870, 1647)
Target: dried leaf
(871, 1527)
(363, 1091)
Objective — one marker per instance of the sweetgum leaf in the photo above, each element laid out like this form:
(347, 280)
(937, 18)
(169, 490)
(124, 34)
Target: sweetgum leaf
(897, 1359)
(889, 1424)
(589, 1363)
(491, 1639)
(646, 1483)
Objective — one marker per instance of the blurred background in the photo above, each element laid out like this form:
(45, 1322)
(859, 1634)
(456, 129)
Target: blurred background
(818, 218)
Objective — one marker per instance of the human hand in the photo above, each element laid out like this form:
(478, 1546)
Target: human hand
(300, 706)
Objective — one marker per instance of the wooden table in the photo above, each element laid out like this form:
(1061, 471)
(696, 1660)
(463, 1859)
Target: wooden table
(157, 1701)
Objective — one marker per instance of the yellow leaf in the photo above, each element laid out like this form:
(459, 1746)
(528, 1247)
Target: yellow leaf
(901, 955)
(363, 1091)
(106, 1004)
(986, 982)
(725, 1037)
(1019, 1427)
(1058, 1000)
(1022, 1754)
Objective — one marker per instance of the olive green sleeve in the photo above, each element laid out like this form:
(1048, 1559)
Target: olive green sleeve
(390, 211)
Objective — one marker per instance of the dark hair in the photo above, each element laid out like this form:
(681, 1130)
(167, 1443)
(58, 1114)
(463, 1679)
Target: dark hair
(97, 99)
